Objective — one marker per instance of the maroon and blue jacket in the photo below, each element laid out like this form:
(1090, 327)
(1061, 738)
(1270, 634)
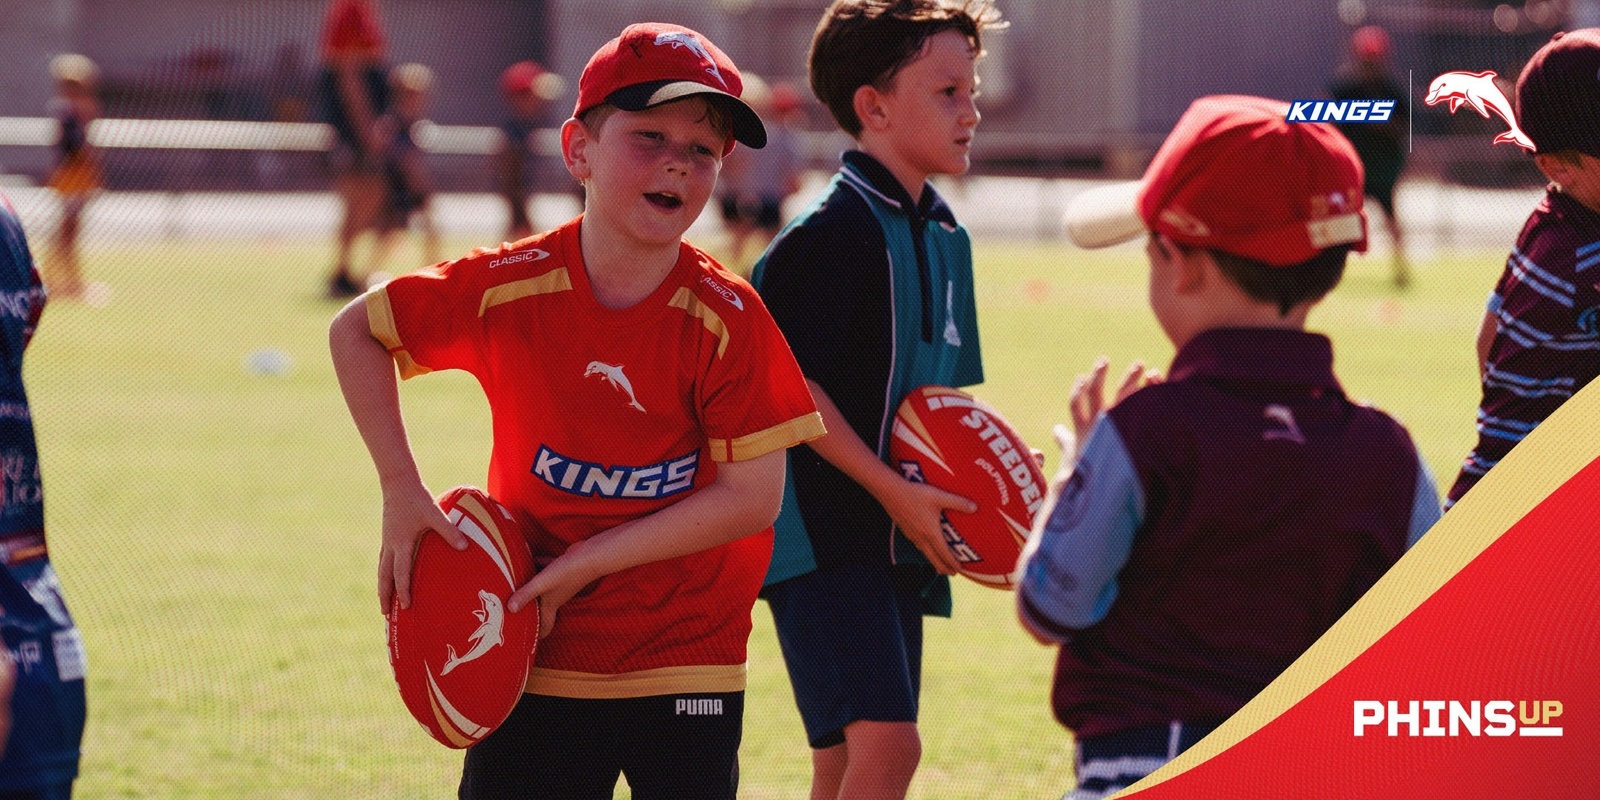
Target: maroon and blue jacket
(1214, 527)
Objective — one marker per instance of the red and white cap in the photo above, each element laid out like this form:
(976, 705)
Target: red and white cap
(1234, 176)
(533, 78)
(653, 63)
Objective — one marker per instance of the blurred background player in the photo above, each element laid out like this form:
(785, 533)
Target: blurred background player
(1539, 342)
(607, 347)
(754, 183)
(1215, 524)
(39, 759)
(353, 91)
(527, 88)
(860, 549)
(76, 176)
(407, 186)
(1382, 145)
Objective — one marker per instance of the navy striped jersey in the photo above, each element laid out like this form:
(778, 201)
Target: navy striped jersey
(1547, 308)
(47, 702)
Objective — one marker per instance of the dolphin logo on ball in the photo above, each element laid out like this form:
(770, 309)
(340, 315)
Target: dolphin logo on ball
(493, 618)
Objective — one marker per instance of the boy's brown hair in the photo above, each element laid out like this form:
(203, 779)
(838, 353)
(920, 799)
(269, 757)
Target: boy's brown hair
(718, 115)
(1284, 287)
(866, 43)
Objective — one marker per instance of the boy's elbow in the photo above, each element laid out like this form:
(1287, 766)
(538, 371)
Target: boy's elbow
(767, 504)
(757, 489)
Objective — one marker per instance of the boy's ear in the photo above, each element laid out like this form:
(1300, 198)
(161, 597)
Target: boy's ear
(869, 107)
(1194, 269)
(1557, 168)
(575, 137)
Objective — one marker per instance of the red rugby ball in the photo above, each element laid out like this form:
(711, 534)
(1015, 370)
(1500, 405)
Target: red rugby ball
(459, 656)
(952, 440)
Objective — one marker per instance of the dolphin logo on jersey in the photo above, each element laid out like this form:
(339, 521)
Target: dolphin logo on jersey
(952, 334)
(613, 375)
(493, 618)
(1288, 430)
(1478, 90)
(687, 40)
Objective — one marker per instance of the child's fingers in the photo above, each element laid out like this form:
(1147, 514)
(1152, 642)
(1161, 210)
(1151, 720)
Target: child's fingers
(400, 570)
(385, 582)
(1132, 380)
(1088, 395)
(1066, 440)
(524, 595)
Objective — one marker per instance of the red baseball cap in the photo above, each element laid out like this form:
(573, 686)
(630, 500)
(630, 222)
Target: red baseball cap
(529, 76)
(653, 63)
(1371, 43)
(1234, 176)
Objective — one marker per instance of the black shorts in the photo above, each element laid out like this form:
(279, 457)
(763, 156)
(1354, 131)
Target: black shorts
(669, 746)
(852, 639)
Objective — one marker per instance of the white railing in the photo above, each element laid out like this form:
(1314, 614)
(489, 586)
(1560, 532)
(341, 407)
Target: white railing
(206, 134)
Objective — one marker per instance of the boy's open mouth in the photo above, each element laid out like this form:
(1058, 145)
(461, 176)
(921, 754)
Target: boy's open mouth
(663, 200)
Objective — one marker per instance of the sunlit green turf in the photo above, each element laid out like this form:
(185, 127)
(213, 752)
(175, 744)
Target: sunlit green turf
(216, 530)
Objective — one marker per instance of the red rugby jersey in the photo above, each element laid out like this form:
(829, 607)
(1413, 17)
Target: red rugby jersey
(606, 415)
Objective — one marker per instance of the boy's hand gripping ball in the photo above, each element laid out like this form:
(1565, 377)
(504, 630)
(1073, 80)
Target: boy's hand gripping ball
(459, 656)
(952, 440)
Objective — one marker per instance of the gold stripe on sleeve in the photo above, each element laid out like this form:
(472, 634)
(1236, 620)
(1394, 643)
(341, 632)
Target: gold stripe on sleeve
(692, 306)
(556, 280)
(709, 679)
(777, 437)
(380, 322)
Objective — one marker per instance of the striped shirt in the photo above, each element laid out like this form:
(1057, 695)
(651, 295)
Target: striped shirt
(1547, 344)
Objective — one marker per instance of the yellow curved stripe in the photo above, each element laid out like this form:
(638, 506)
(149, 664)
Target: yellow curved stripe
(488, 520)
(913, 422)
(1564, 444)
(461, 731)
(381, 324)
(556, 280)
(692, 306)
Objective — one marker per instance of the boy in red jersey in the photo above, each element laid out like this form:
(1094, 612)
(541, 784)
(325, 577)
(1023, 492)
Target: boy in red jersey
(642, 400)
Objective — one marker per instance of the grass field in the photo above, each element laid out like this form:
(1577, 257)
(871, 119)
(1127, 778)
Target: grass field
(216, 530)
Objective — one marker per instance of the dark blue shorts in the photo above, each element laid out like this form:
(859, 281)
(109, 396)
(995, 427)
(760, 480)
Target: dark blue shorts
(559, 748)
(59, 791)
(852, 639)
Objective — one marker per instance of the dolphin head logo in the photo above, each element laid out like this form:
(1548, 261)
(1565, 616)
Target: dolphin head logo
(688, 41)
(1478, 91)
